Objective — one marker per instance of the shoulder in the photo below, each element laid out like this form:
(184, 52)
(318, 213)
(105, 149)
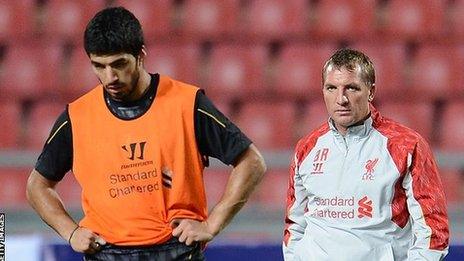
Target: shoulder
(403, 143)
(307, 143)
(398, 134)
(90, 95)
(167, 82)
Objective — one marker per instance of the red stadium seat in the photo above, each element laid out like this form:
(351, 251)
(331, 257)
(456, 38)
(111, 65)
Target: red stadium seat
(210, 18)
(344, 19)
(416, 115)
(16, 19)
(70, 191)
(41, 120)
(453, 182)
(299, 69)
(31, 70)
(389, 63)
(412, 19)
(155, 16)
(12, 194)
(235, 71)
(277, 18)
(456, 20)
(268, 125)
(457, 87)
(215, 184)
(271, 193)
(452, 127)
(180, 62)
(10, 118)
(68, 19)
(435, 70)
(80, 77)
(315, 115)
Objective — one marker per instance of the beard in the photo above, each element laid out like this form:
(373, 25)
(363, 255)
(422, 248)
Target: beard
(128, 90)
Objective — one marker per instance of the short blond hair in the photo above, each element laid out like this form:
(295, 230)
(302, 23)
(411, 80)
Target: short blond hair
(350, 59)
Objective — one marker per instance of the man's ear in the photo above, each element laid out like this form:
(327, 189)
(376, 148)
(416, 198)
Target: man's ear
(142, 55)
(372, 92)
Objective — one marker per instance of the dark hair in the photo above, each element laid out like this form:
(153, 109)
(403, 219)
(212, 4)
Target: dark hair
(349, 59)
(113, 30)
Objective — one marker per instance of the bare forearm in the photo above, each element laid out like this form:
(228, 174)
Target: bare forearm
(242, 181)
(47, 203)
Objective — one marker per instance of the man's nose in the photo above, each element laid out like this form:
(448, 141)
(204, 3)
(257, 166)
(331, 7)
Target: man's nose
(111, 76)
(341, 97)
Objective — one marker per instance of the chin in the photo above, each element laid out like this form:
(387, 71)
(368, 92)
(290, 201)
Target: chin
(343, 120)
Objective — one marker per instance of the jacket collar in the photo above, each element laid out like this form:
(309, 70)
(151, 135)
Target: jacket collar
(363, 129)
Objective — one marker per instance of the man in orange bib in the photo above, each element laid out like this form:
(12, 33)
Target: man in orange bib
(137, 145)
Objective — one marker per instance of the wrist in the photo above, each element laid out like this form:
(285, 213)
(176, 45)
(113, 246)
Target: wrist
(72, 233)
(211, 228)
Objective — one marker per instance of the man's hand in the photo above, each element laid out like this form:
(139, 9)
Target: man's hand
(85, 241)
(190, 231)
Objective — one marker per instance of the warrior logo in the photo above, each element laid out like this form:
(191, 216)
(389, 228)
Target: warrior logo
(365, 207)
(370, 165)
(132, 148)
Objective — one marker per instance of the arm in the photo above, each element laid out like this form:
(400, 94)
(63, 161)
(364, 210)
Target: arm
(52, 164)
(43, 197)
(295, 222)
(246, 174)
(427, 207)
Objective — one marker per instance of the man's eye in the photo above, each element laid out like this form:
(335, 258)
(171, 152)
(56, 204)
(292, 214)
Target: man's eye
(119, 65)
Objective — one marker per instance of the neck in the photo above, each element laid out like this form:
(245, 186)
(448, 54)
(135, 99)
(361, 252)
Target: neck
(142, 85)
(343, 130)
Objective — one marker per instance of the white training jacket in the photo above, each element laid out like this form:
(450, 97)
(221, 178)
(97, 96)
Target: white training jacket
(374, 194)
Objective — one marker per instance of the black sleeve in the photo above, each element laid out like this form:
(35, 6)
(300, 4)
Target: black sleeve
(56, 157)
(216, 135)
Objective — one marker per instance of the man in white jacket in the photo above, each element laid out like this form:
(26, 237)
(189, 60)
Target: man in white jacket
(361, 186)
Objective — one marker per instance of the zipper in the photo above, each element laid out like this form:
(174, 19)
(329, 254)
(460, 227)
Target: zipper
(342, 170)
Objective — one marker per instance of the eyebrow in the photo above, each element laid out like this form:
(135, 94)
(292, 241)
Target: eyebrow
(353, 85)
(122, 59)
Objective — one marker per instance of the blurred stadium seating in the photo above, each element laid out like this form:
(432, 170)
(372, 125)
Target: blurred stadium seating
(78, 76)
(41, 120)
(435, 70)
(10, 112)
(179, 61)
(275, 19)
(413, 19)
(30, 70)
(344, 19)
(298, 69)
(156, 22)
(235, 70)
(13, 182)
(314, 115)
(453, 181)
(16, 19)
(269, 125)
(260, 62)
(67, 19)
(456, 26)
(452, 127)
(209, 19)
(390, 62)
